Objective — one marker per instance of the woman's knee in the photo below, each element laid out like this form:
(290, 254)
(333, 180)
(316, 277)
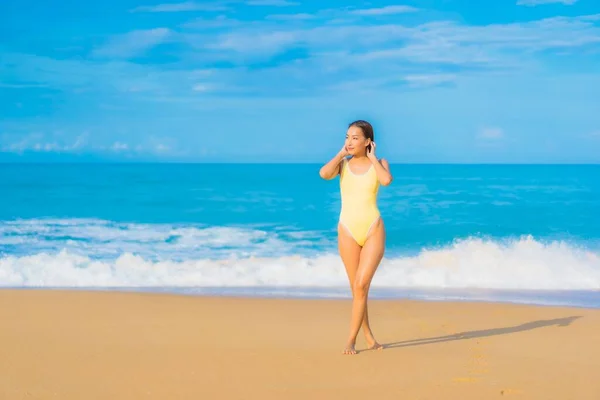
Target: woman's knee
(360, 287)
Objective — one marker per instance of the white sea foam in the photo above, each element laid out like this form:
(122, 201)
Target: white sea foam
(109, 239)
(471, 263)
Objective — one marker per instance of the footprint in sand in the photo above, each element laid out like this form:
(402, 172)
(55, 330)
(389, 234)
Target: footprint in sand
(505, 392)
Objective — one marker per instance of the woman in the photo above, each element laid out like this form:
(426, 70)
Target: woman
(361, 234)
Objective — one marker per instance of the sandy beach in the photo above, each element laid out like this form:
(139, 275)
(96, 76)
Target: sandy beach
(107, 345)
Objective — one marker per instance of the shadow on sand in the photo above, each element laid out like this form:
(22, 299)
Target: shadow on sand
(485, 332)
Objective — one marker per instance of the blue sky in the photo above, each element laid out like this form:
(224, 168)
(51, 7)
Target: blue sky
(278, 80)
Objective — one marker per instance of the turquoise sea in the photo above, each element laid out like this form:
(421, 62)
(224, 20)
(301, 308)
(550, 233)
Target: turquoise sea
(519, 233)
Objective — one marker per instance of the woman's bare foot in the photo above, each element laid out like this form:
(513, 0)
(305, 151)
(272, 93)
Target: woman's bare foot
(372, 343)
(376, 346)
(350, 349)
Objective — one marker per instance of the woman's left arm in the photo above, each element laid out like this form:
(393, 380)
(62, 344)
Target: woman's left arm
(382, 168)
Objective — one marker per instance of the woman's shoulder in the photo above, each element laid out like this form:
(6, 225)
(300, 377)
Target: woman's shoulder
(342, 166)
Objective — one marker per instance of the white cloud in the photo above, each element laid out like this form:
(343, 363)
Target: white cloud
(429, 79)
(343, 16)
(221, 21)
(388, 10)
(80, 141)
(133, 43)
(291, 17)
(149, 147)
(445, 52)
(162, 148)
(200, 88)
(272, 3)
(268, 42)
(326, 56)
(118, 146)
(222, 5)
(491, 133)
(23, 144)
(103, 78)
(532, 3)
(494, 46)
(181, 7)
(35, 142)
(53, 141)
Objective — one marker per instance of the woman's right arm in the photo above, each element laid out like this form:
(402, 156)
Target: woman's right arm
(332, 168)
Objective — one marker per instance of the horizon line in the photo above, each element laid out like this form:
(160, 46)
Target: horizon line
(281, 163)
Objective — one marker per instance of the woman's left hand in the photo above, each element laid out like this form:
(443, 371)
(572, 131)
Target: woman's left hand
(371, 152)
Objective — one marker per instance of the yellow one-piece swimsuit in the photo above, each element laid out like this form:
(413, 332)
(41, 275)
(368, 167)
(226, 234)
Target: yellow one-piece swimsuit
(359, 202)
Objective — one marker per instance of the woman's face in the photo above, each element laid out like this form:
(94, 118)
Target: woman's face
(356, 143)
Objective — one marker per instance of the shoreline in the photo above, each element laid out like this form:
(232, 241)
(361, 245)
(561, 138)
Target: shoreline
(584, 299)
(74, 344)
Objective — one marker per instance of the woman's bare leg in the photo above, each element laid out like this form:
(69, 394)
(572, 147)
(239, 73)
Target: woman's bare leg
(350, 253)
(370, 257)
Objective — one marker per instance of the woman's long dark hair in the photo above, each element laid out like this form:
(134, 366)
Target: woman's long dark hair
(367, 130)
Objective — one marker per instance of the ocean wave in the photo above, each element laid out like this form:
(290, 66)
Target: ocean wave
(109, 239)
(522, 264)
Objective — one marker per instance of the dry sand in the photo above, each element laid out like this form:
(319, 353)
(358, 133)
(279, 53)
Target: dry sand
(100, 345)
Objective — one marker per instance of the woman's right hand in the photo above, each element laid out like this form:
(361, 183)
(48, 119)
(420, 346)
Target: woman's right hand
(332, 168)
